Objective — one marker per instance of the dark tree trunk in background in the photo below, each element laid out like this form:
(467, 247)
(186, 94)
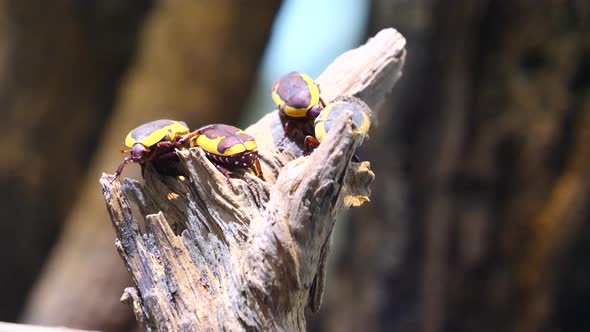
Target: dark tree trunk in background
(195, 62)
(60, 64)
(478, 219)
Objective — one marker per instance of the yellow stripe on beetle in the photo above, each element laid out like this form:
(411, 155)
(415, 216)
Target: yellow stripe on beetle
(295, 94)
(366, 124)
(224, 140)
(151, 133)
(154, 142)
(250, 145)
(227, 146)
(320, 130)
(361, 116)
(210, 145)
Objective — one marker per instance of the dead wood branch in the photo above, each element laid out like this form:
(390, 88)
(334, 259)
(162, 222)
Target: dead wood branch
(252, 258)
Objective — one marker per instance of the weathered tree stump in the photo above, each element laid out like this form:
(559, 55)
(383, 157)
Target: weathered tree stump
(211, 257)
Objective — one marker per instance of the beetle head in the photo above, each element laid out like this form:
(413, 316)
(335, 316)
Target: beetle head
(138, 151)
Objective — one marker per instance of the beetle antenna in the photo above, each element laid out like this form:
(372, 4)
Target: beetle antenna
(124, 151)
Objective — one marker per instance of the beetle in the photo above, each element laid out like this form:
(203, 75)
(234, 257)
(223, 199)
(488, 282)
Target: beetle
(228, 147)
(155, 141)
(361, 117)
(298, 99)
(297, 96)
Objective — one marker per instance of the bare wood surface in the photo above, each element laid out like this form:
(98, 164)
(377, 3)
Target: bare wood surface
(208, 256)
(11, 327)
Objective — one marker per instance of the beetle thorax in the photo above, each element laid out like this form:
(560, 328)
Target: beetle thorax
(138, 151)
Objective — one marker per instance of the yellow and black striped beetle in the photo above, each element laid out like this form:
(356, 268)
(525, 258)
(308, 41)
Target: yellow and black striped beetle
(361, 117)
(228, 147)
(297, 96)
(155, 141)
(298, 99)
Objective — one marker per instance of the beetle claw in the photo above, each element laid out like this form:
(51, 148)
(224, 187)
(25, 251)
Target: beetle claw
(258, 170)
(309, 144)
(226, 173)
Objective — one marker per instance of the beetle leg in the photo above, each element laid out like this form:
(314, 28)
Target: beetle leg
(125, 161)
(188, 137)
(168, 145)
(258, 170)
(165, 144)
(314, 111)
(310, 144)
(195, 133)
(225, 172)
(322, 102)
(286, 129)
(205, 128)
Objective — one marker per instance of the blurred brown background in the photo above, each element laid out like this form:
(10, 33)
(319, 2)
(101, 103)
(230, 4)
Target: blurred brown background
(478, 218)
